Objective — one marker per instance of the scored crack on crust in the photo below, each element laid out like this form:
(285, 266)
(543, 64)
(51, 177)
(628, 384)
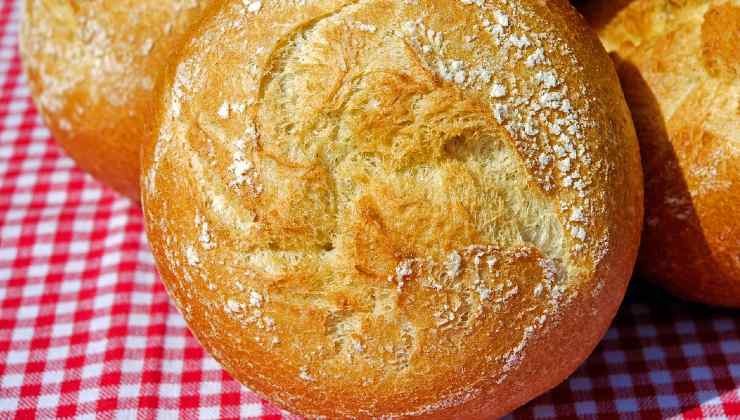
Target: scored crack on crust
(394, 208)
(678, 62)
(92, 67)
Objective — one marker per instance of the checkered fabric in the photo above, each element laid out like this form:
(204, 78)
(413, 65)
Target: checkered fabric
(87, 331)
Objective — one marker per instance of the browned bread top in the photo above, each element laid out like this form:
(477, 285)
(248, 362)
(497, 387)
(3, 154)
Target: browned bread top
(402, 208)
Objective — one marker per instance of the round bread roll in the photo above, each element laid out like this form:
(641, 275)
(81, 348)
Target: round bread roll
(395, 208)
(679, 66)
(92, 66)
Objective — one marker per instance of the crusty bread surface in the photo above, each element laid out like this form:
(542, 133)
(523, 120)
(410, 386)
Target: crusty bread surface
(679, 63)
(394, 208)
(92, 67)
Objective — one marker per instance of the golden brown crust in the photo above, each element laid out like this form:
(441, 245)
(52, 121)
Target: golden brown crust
(92, 67)
(394, 208)
(678, 62)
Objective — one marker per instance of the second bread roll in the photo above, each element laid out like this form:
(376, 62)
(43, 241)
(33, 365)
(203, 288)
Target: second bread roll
(395, 208)
(680, 69)
(92, 67)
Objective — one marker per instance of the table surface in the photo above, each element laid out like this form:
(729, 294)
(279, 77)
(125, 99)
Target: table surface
(87, 330)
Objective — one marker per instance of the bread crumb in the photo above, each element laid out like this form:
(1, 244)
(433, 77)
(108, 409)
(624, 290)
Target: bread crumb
(460, 77)
(491, 262)
(537, 57)
(192, 256)
(498, 90)
(238, 107)
(233, 306)
(544, 160)
(547, 78)
(253, 6)
(576, 215)
(255, 299)
(303, 374)
(240, 167)
(454, 261)
(578, 232)
(501, 18)
(519, 41)
(146, 47)
(269, 322)
(530, 129)
(364, 27)
(403, 269)
(223, 111)
(500, 112)
(205, 235)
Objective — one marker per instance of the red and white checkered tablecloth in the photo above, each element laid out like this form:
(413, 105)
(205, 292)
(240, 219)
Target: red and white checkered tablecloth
(87, 331)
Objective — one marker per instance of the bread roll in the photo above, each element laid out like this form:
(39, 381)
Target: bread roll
(679, 65)
(92, 66)
(395, 208)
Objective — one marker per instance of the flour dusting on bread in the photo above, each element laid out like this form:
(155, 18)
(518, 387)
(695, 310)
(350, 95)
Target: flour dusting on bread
(434, 197)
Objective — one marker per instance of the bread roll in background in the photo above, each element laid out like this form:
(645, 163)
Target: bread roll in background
(92, 67)
(679, 63)
(395, 208)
